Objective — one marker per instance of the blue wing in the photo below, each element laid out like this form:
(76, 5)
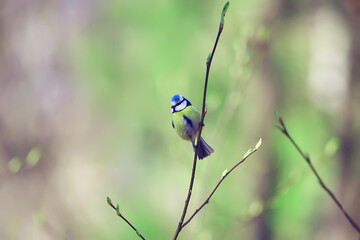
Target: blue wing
(189, 123)
(190, 128)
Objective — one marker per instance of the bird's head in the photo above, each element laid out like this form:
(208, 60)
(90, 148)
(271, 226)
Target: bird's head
(179, 103)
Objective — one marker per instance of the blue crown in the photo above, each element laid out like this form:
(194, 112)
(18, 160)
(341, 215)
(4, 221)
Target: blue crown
(176, 98)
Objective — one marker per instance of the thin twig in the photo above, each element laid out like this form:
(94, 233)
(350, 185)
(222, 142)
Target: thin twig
(225, 174)
(120, 215)
(284, 130)
(208, 64)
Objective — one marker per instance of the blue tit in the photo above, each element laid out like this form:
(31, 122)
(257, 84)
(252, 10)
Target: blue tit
(186, 122)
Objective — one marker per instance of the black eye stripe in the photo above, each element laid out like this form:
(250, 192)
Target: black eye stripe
(178, 103)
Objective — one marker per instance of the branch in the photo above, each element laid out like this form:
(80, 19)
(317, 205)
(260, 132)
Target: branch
(224, 175)
(284, 130)
(208, 64)
(120, 215)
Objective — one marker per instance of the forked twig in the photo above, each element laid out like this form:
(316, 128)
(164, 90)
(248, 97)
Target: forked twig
(284, 130)
(208, 64)
(223, 176)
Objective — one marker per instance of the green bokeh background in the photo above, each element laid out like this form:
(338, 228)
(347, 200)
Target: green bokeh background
(85, 91)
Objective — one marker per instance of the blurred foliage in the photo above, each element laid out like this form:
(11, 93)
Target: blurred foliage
(85, 95)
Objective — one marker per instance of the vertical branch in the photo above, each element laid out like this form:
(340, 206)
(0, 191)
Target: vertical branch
(208, 65)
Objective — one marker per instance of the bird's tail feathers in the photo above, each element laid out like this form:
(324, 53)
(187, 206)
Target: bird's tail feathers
(204, 149)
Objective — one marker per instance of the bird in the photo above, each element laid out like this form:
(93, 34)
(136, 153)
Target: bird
(186, 120)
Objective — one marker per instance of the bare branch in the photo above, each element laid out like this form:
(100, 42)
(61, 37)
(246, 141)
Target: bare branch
(284, 130)
(120, 215)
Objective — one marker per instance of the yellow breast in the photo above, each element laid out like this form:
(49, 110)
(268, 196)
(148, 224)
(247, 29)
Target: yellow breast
(180, 123)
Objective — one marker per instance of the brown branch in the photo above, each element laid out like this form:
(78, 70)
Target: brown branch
(120, 215)
(225, 174)
(284, 130)
(208, 64)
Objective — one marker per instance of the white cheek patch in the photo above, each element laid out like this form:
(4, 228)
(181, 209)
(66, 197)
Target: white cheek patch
(180, 107)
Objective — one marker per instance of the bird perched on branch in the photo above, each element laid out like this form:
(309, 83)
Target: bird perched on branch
(186, 120)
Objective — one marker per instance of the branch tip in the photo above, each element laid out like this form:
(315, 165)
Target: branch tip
(109, 201)
(117, 209)
(258, 145)
(225, 8)
(281, 122)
